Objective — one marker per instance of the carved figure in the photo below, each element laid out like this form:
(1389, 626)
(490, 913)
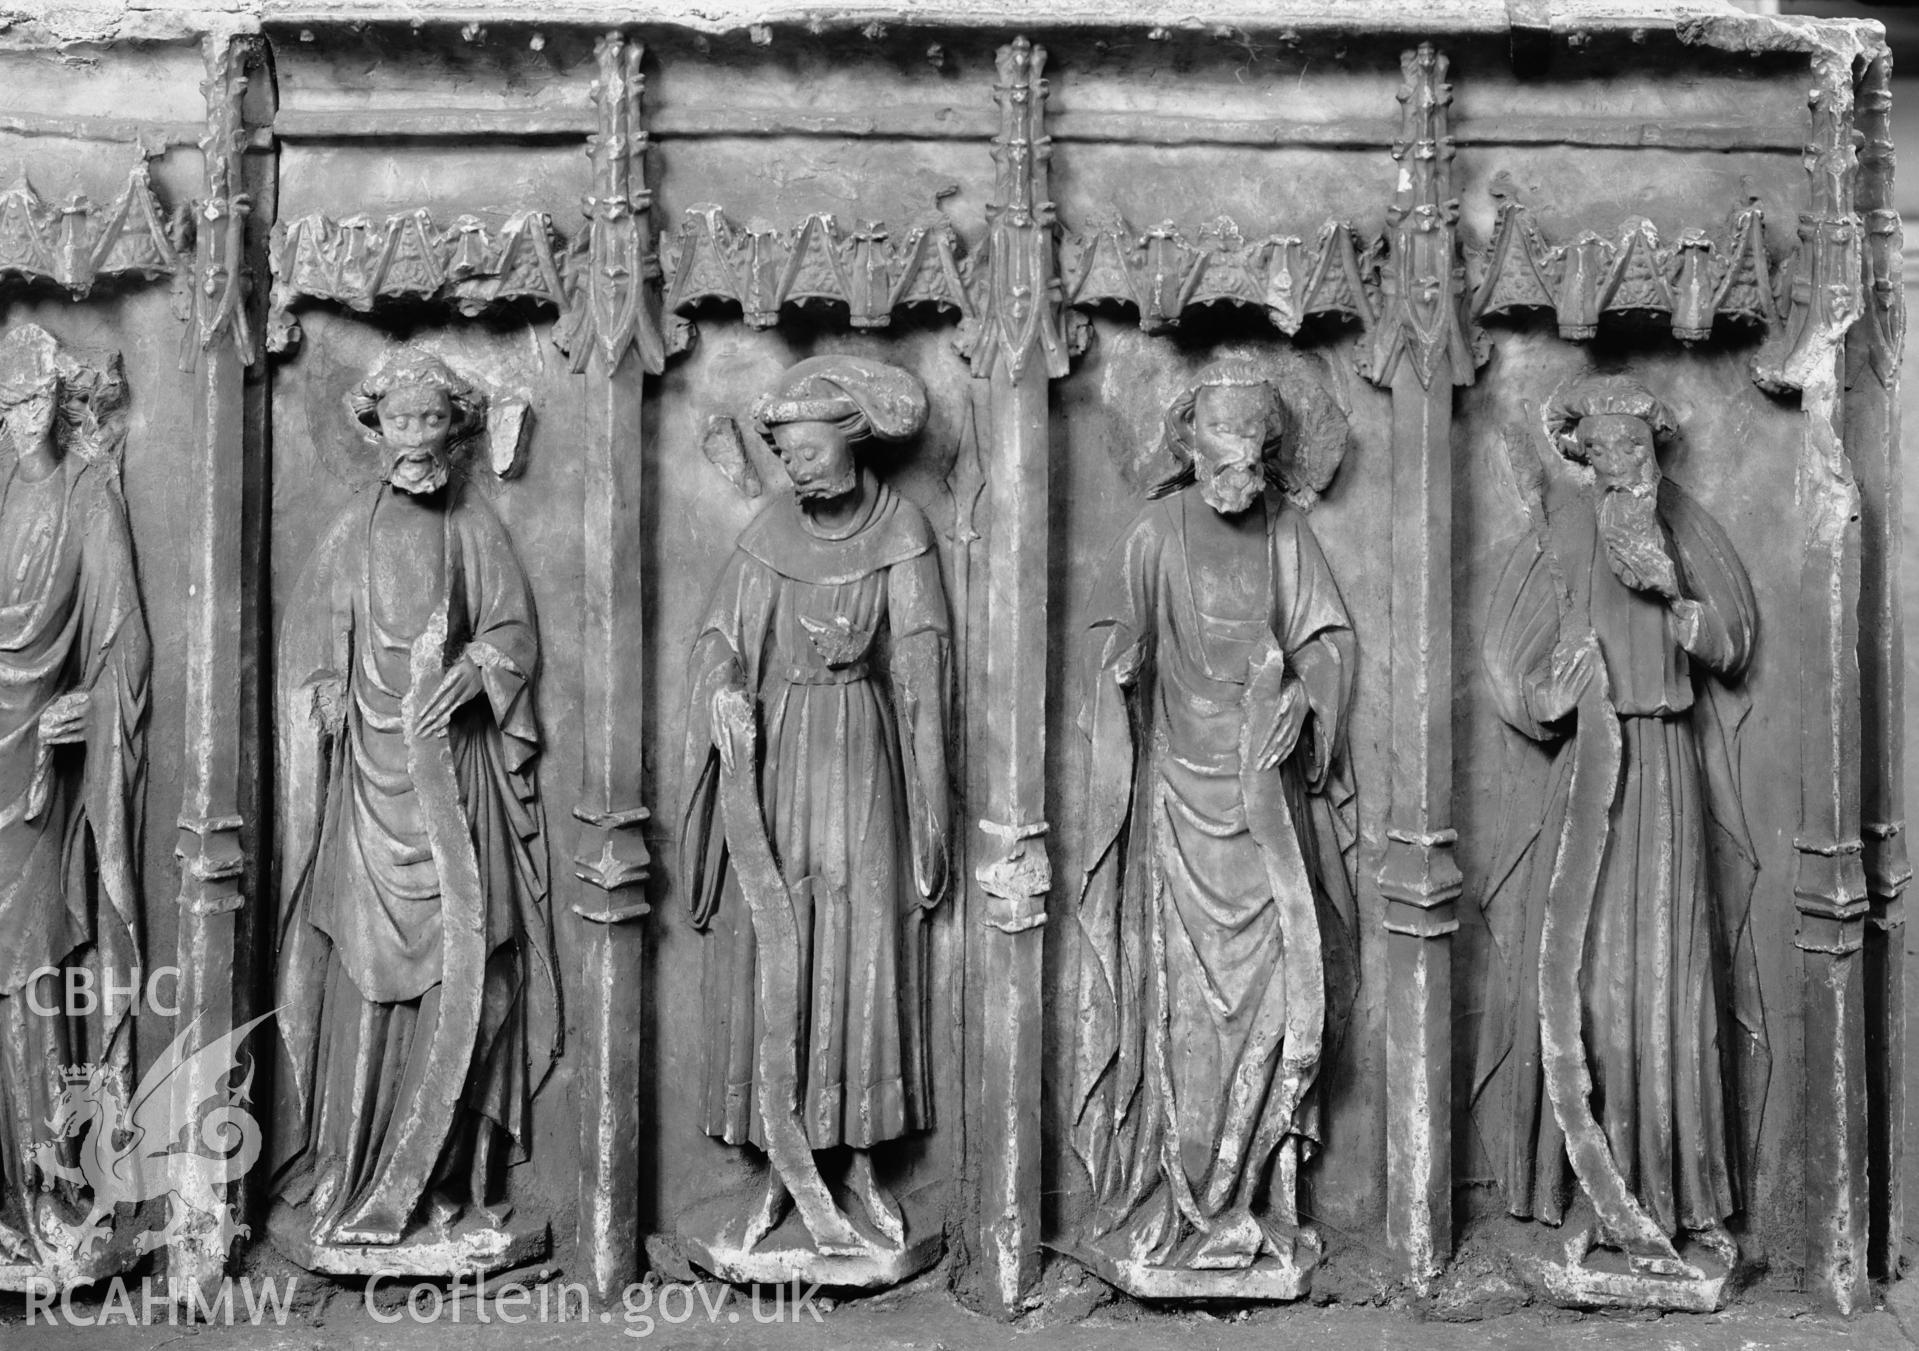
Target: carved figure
(1215, 915)
(74, 661)
(1628, 1007)
(416, 946)
(815, 838)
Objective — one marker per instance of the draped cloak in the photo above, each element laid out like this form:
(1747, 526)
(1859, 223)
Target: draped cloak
(842, 644)
(1187, 1075)
(1673, 1026)
(70, 621)
(361, 943)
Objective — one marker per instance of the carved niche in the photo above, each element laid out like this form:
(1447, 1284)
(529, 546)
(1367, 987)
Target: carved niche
(816, 837)
(1628, 1017)
(74, 666)
(416, 947)
(1216, 914)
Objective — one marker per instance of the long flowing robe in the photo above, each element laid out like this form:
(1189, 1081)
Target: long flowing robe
(70, 621)
(1201, 1042)
(365, 912)
(1670, 1007)
(843, 644)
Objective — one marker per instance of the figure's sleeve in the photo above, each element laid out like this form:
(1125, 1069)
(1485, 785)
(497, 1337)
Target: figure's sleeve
(1117, 660)
(921, 661)
(505, 642)
(1711, 574)
(1522, 628)
(1318, 640)
(118, 659)
(719, 660)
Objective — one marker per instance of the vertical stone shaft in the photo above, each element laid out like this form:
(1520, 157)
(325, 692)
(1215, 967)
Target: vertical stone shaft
(1418, 350)
(1018, 346)
(1872, 435)
(1015, 739)
(1418, 875)
(210, 848)
(612, 333)
(1829, 885)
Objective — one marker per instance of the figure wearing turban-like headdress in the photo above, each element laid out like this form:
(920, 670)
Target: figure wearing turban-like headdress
(828, 629)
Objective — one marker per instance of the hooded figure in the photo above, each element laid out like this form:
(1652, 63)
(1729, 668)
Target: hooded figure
(74, 661)
(1618, 911)
(416, 956)
(828, 637)
(1215, 915)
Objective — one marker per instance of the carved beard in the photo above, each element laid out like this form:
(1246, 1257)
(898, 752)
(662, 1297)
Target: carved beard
(417, 472)
(1635, 542)
(1231, 488)
(826, 492)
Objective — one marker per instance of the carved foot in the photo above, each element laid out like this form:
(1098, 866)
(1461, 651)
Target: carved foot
(1644, 1261)
(443, 1211)
(1657, 1263)
(1579, 1244)
(375, 1220)
(1718, 1240)
(368, 1225)
(835, 1236)
(880, 1208)
(767, 1211)
(14, 1245)
(1231, 1241)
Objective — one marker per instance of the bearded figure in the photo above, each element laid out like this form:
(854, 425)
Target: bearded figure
(1215, 916)
(815, 838)
(416, 948)
(74, 662)
(1626, 1013)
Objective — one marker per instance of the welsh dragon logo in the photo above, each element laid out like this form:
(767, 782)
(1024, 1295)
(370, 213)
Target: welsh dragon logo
(181, 1135)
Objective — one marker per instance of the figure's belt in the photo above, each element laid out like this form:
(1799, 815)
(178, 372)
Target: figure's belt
(826, 675)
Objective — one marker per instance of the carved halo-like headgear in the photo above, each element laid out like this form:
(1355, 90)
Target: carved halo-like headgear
(29, 361)
(1597, 396)
(1306, 431)
(92, 388)
(864, 398)
(410, 365)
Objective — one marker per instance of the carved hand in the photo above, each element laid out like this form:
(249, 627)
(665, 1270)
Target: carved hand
(460, 683)
(1289, 715)
(1569, 671)
(1689, 621)
(329, 704)
(65, 719)
(732, 714)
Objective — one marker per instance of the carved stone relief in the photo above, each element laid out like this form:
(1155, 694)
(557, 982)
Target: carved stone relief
(817, 837)
(74, 663)
(1629, 1008)
(1290, 855)
(1217, 916)
(415, 940)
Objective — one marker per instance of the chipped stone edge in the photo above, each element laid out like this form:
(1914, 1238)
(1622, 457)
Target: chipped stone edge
(36, 25)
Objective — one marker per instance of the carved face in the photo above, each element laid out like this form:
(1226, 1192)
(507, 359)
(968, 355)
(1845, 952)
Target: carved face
(29, 412)
(415, 424)
(817, 458)
(1620, 450)
(1230, 425)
